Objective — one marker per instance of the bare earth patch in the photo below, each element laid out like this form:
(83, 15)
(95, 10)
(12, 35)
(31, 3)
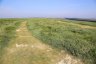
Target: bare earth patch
(26, 49)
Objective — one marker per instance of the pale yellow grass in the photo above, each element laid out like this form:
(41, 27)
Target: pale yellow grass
(82, 26)
(26, 49)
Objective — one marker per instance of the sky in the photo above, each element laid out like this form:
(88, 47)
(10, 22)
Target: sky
(48, 8)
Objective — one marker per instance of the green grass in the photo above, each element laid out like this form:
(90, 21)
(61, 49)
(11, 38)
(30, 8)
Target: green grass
(80, 42)
(82, 22)
(7, 32)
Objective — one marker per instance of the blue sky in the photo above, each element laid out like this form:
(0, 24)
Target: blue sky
(48, 8)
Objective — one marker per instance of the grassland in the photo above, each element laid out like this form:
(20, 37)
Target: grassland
(7, 32)
(26, 49)
(77, 38)
(52, 36)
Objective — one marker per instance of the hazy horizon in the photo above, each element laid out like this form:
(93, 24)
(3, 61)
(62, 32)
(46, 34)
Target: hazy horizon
(48, 8)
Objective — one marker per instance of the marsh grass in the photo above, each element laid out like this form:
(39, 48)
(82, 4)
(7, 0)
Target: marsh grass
(80, 42)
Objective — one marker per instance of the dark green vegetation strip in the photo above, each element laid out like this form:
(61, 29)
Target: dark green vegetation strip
(80, 42)
(7, 32)
(82, 22)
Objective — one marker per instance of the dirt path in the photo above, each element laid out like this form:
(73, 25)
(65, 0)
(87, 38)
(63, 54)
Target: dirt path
(26, 49)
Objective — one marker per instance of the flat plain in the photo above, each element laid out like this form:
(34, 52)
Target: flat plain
(47, 41)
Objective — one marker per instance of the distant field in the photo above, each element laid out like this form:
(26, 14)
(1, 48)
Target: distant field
(83, 22)
(7, 32)
(78, 38)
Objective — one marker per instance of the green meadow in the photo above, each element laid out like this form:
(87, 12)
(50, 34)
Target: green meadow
(77, 38)
(7, 32)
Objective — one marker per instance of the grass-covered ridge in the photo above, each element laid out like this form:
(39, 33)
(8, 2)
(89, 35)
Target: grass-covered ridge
(66, 35)
(7, 32)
